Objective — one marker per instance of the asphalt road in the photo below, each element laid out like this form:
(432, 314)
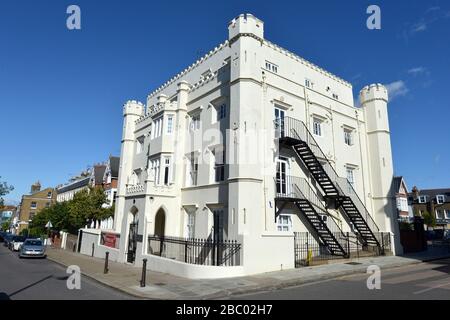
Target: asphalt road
(424, 281)
(41, 279)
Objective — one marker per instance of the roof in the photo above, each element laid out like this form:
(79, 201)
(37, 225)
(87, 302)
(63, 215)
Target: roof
(74, 185)
(114, 163)
(432, 193)
(99, 171)
(397, 183)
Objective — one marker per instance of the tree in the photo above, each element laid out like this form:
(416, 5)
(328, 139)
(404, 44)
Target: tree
(429, 219)
(4, 190)
(6, 225)
(87, 206)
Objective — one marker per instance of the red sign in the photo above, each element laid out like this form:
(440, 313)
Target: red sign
(109, 240)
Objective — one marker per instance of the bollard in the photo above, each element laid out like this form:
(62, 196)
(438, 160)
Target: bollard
(105, 271)
(144, 272)
(92, 250)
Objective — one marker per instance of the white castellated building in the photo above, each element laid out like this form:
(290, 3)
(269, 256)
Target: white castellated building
(250, 148)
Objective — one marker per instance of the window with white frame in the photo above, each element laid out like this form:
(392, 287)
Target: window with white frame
(439, 214)
(317, 127)
(195, 122)
(190, 225)
(440, 199)
(348, 136)
(167, 170)
(284, 222)
(170, 124)
(447, 214)
(219, 164)
(192, 170)
(155, 168)
(49, 194)
(157, 127)
(139, 144)
(402, 204)
(350, 175)
(422, 199)
(33, 205)
(271, 67)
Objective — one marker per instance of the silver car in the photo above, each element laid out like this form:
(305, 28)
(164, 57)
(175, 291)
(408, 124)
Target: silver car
(33, 248)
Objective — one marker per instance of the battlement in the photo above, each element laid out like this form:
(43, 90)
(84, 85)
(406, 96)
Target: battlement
(373, 92)
(133, 107)
(246, 23)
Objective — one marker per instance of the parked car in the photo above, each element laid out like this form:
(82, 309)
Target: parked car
(34, 248)
(16, 242)
(8, 237)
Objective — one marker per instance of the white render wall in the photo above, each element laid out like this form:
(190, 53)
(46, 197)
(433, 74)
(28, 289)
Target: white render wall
(234, 73)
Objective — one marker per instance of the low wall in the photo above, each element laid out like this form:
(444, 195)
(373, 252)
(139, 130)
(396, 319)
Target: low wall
(90, 244)
(191, 271)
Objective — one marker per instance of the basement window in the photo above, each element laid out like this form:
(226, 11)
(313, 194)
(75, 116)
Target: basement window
(284, 222)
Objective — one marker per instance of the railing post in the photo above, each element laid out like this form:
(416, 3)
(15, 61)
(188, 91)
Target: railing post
(382, 244)
(92, 253)
(348, 245)
(160, 246)
(144, 272)
(105, 270)
(185, 251)
(307, 249)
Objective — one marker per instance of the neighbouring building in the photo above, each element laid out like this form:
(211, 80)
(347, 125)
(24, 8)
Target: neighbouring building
(102, 175)
(231, 161)
(110, 179)
(404, 210)
(433, 201)
(7, 213)
(32, 203)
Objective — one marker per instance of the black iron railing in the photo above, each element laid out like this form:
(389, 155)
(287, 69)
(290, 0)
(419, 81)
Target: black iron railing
(288, 127)
(308, 251)
(196, 251)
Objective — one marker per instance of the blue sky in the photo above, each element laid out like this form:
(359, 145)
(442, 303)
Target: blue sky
(61, 91)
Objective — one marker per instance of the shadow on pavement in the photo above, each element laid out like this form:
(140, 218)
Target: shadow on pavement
(4, 296)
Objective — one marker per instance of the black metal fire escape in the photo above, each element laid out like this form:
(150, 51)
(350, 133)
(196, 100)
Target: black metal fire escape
(298, 192)
(294, 134)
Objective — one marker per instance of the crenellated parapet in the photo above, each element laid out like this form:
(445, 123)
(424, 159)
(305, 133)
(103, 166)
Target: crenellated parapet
(190, 68)
(373, 92)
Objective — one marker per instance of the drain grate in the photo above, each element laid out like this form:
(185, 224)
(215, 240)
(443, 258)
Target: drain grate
(160, 284)
(353, 263)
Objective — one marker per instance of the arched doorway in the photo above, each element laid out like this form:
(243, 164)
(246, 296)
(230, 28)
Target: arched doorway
(160, 223)
(132, 235)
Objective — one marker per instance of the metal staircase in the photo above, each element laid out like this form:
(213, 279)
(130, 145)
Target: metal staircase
(297, 191)
(293, 133)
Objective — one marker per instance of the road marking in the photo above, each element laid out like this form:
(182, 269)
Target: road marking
(432, 288)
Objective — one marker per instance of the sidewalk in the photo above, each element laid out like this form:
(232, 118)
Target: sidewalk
(164, 286)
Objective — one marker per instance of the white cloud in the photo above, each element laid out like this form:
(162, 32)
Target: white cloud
(418, 27)
(396, 89)
(417, 71)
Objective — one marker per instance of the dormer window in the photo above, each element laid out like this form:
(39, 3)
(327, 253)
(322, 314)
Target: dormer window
(440, 199)
(422, 199)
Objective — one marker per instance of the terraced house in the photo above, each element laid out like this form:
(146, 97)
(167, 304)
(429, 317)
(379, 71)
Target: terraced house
(235, 163)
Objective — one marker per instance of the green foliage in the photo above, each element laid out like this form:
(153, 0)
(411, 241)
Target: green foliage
(403, 225)
(429, 219)
(4, 190)
(5, 225)
(85, 207)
